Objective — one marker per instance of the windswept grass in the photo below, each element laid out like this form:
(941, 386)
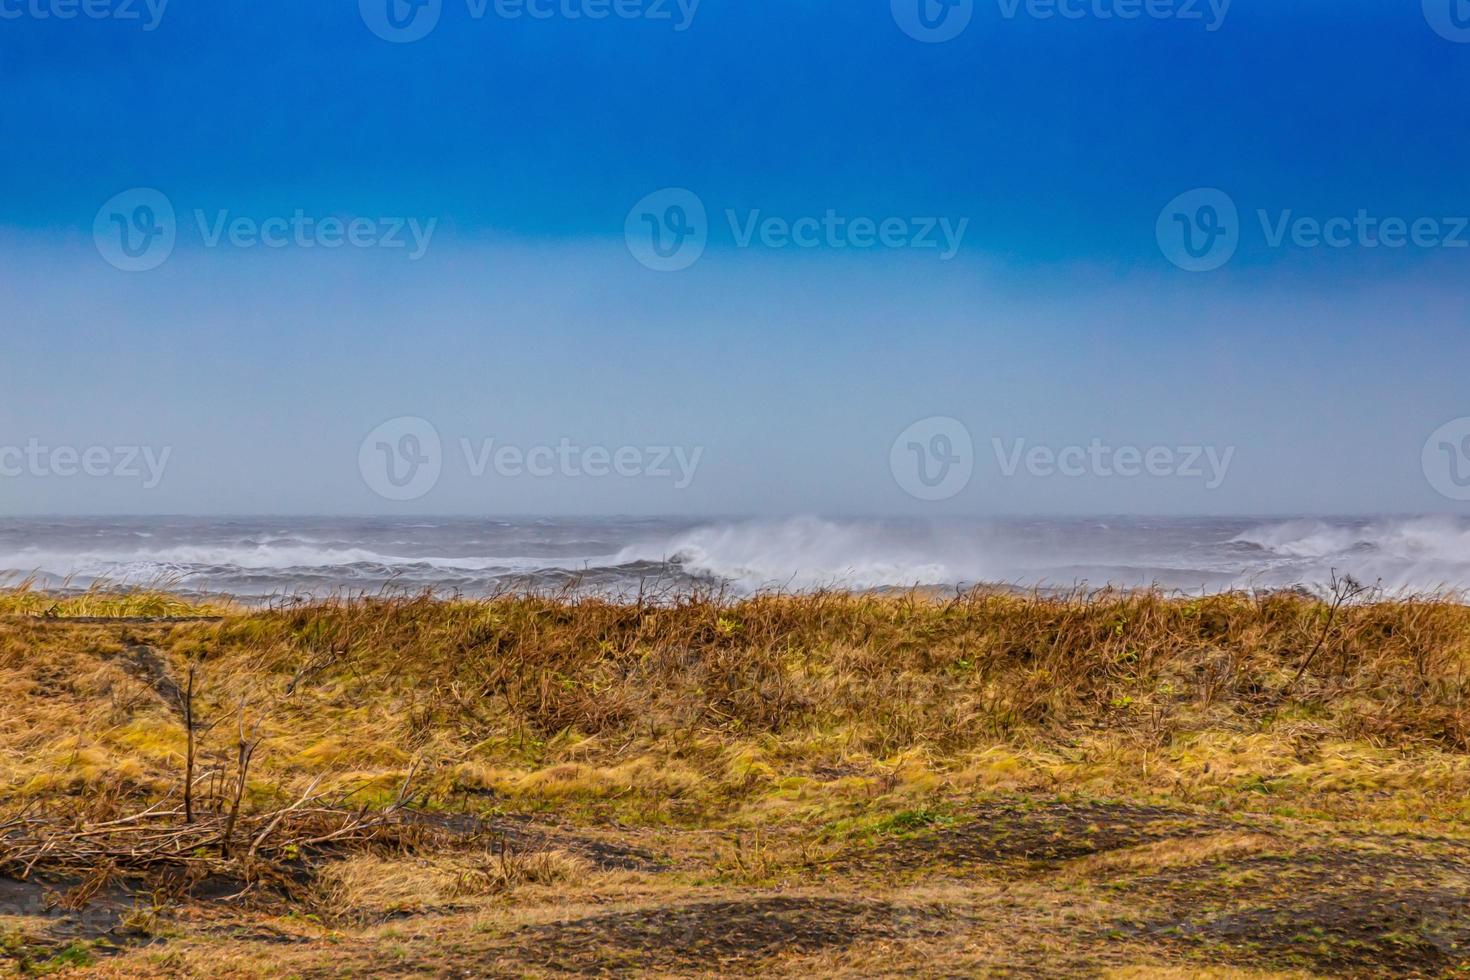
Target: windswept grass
(703, 707)
(100, 601)
(794, 728)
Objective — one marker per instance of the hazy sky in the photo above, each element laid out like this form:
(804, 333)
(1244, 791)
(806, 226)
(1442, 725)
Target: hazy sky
(993, 235)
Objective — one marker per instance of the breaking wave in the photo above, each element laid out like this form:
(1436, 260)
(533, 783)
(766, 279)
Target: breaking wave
(809, 553)
(1418, 554)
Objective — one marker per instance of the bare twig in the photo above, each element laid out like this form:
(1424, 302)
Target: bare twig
(1344, 590)
(189, 752)
(244, 750)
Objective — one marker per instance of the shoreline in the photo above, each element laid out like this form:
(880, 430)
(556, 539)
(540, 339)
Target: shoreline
(223, 603)
(286, 558)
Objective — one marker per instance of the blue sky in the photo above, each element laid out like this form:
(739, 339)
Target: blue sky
(526, 142)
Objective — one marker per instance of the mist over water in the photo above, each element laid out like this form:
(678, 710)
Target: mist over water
(261, 557)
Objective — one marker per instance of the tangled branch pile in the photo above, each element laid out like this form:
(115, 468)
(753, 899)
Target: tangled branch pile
(220, 840)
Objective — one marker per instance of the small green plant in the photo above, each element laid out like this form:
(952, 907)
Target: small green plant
(75, 954)
(910, 821)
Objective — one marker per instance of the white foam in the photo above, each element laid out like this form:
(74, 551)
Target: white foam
(1418, 538)
(808, 552)
(1417, 554)
(140, 564)
(1425, 554)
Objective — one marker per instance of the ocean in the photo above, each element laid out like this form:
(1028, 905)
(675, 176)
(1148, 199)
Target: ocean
(263, 557)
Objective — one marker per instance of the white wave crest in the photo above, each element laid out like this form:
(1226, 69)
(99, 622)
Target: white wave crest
(1403, 555)
(143, 564)
(1410, 539)
(810, 553)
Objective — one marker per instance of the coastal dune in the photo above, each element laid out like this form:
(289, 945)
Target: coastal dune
(830, 782)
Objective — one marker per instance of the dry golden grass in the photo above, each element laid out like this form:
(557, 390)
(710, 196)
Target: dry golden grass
(1200, 973)
(373, 887)
(749, 743)
(778, 706)
(99, 601)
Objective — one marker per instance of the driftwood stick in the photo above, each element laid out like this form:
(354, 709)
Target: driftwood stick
(276, 820)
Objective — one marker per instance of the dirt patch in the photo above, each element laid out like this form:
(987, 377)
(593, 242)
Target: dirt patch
(827, 774)
(729, 937)
(600, 852)
(64, 917)
(1027, 837)
(522, 835)
(45, 901)
(1335, 909)
(713, 935)
(114, 912)
(145, 664)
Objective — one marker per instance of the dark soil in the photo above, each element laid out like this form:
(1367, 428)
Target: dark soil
(98, 917)
(1339, 910)
(1029, 837)
(712, 935)
(522, 835)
